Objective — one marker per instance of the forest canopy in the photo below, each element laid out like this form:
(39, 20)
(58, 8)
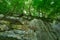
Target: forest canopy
(36, 8)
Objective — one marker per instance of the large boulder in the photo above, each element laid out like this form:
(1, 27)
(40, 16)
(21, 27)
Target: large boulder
(42, 30)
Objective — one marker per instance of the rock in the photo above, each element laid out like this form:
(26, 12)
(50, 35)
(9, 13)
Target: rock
(12, 17)
(24, 21)
(4, 22)
(7, 38)
(20, 27)
(1, 16)
(19, 34)
(36, 24)
(56, 28)
(3, 27)
(42, 31)
(34, 29)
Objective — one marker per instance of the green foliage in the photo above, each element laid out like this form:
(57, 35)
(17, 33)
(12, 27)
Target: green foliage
(40, 8)
(3, 7)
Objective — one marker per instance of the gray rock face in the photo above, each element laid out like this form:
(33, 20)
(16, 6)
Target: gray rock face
(42, 31)
(56, 27)
(35, 29)
(36, 24)
(19, 34)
